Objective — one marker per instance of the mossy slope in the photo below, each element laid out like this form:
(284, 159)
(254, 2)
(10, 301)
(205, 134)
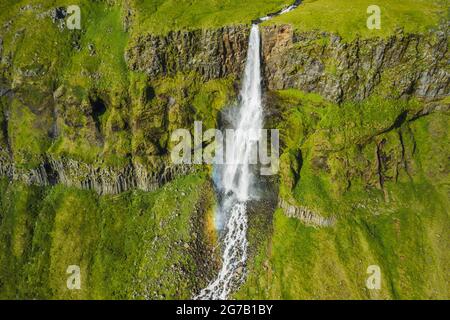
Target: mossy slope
(381, 171)
(133, 246)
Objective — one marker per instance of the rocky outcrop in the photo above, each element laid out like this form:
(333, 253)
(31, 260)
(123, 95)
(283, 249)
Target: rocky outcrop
(400, 66)
(212, 53)
(403, 65)
(103, 180)
(305, 215)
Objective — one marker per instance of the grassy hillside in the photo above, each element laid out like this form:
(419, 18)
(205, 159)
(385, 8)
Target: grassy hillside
(391, 211)
(132, 246)
(39, 57)
(348, 17)
(409, 244)
(162, 16)
(57, 79)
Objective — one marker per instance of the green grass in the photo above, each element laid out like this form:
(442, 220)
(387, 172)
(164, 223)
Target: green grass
(337, 144)
(162, 16)
(348, 17)
(135, 245)
(104, 31)
(28, 135)
(400, 226)
(408, 242)
(37, 44)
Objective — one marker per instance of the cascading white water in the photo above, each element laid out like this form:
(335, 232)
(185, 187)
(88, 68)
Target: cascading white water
(237, 175)
(235, 178)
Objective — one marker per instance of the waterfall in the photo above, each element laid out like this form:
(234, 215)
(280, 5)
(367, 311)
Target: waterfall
(235, 179)
(236, 176)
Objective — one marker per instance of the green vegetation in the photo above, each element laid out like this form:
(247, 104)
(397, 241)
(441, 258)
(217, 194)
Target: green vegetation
(176, 102)
(409, 241)
(87, 65)
(29, 136)
(391, 209)
(348, 17)
(373, 165)
(330, 149)
(135, 245)
(61, 79)
(162, 16)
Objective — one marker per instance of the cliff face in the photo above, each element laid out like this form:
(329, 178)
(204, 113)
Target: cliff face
(216, 53)
(398, 67)
(117, 138)
(103, 180)
(134, 124)
(404, 65)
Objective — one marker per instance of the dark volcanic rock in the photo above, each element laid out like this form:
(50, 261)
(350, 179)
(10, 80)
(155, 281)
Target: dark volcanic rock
(103, 180)
(399, 66)
(213, 53)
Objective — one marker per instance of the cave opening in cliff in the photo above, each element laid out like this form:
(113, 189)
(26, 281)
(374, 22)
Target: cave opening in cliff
(98, 110)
